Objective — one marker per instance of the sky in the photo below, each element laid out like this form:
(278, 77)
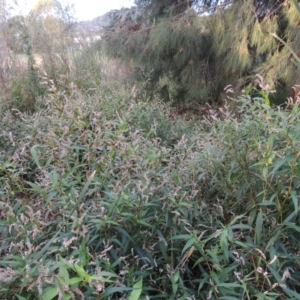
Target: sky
(84, 9)
(89, 9)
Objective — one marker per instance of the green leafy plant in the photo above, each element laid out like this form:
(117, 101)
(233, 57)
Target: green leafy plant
(104, 196)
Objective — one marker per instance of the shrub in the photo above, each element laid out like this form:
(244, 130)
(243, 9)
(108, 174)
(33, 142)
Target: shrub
(97, 203)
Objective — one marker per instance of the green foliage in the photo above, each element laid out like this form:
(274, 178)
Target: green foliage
(152, 120)
(87, 68)
(20, 85)
(173, 51)
(163, 8)
(44, 36)
(22, 97)
(201, 54)
(104, 197)
(107, 195)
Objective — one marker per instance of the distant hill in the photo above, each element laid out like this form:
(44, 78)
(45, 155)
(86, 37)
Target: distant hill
(108, 20)
(93, 30)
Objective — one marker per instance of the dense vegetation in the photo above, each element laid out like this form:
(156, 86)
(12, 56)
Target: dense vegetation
(192, 54)
(105, 194)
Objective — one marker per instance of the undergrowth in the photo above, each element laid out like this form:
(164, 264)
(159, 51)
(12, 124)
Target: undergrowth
(103, 196)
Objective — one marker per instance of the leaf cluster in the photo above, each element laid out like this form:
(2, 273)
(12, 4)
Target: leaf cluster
(173, 50)
(100, 200)
(201, 54)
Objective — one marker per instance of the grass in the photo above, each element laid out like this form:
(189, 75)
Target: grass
(104, 196)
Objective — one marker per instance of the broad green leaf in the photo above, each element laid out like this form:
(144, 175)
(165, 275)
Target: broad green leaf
(83, 255)
(198, 261)
(85, 188)
(108, 274)
(37, 189)
(67, 296)
(51, 196)
(49, 293)
(267, 203)
(230, 285)
(93, 277)
(240, 226)
(63, 274)
(20, 297)
(291, 225)
(290, 217)
(10, 263)
(81, 272)
(204, 280)
(275, 274)
(137, 290)
(123, 232)
(224, 243)
(104, 274)
(54, 178)
(75, 280)
(39, 254)
(295, 199)
(242, 245)
(215, 277)
(213, 255)
(273, 239)
(252, 216)
(128, 214)
(116, 289)
(279, 163)
(265, 172)
(229, 298)
(258, 228)
(291, 293)
(236, 218)
(174, 288)
(297, 5)
(176, 276)
(34, 155)
(265, 95)
(182, 237)
(188, 244)
(83, 192)
(143, 223)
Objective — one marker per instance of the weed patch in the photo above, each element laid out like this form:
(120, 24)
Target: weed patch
(105, 197)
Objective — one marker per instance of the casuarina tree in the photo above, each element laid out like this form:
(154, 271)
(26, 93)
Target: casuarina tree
(192, 49)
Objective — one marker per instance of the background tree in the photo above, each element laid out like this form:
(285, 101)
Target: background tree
(165, 8)
(51, 33)
(193, 49)
(16, 34)
(41, 40)
(18, 41)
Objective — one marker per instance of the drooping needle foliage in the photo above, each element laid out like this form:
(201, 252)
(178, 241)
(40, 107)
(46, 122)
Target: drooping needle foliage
(202, 46)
